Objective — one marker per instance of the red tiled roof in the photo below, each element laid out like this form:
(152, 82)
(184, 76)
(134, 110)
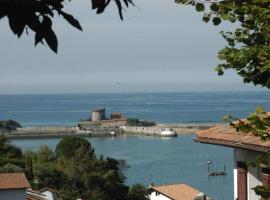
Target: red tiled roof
(177, 191)
(13, 181)
(226, 135)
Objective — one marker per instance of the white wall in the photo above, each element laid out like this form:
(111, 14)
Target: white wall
(17, 194)
(253, 176)
(48, 195)
(157, 196)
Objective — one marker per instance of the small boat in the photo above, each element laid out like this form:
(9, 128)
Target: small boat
(209, 162)
(216, 172)
(168, 132)
(112, 133)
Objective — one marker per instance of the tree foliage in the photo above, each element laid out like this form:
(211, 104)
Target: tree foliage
(133, 121)
(9, 125)
(248, 53)
(38, 16)
(248, 49)
(257, 123)
(68, 146)
(138, 192)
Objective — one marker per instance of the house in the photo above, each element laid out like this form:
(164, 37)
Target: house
(13, 186)
(246, 148)
(43, 194)
(175, 192)
(49, 193)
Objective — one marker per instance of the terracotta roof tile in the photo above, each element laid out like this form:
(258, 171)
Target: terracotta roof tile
(226, 135)
(178, 191)
(13, 181)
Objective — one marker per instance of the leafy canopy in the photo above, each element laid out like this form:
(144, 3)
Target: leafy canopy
(248, 49)
(37, 16)
(68, 146)
(257, 123)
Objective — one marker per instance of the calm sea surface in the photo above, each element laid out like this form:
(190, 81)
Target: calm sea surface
(158, 160)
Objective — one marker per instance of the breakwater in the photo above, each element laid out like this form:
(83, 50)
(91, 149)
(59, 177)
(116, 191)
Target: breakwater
(62, 131)
(52, 132)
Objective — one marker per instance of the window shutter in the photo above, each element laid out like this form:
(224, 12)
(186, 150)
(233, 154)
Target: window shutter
(241, 181)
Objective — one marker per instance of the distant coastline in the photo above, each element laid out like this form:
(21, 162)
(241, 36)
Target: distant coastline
(63, 131)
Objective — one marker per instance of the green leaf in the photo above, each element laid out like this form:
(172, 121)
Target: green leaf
(74, 22)
(216, 21)
(51, 40)
(214, 7)
(200, 7)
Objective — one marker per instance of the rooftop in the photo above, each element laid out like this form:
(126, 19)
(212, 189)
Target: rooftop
(178, 191)
(226, 135)
(13, 181)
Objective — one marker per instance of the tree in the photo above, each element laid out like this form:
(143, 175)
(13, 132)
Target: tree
(9, 125)
(44, 154)
(133, 121)
(86, 175)
(248, 46)
(68, 146)
(138, 192)
(37, 16)
(10, 168)
(248, 53)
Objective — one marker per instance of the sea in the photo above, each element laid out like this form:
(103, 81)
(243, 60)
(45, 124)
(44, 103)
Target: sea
(150, 159)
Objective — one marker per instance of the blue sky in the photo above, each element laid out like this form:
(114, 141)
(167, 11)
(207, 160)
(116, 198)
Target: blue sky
(160, 46)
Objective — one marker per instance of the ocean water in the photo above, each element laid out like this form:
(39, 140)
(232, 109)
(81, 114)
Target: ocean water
(163, 160)
(151, 159)
(31, 110)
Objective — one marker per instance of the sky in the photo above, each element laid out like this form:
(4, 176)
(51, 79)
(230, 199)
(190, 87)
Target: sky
(159, 47)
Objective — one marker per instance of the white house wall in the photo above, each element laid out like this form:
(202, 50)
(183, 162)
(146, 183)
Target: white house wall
(253, 175)
(16, 194)
(154, 196)
(48, 195)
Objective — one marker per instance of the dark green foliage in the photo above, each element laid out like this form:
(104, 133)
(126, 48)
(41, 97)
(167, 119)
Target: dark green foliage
(75, 173)
(8, 150)
(133, 121)
(200, 7)
(138, 192)
(38, 15)
(263, 191)
(9, 125)
(67, 147)
(10, 168)
(47, 175)
(248, 46)
(258, 123)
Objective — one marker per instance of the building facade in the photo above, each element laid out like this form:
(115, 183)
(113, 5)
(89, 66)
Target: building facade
(247, 149)
(13, 186)
(175, 192)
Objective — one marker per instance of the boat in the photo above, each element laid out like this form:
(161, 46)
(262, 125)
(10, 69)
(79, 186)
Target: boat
(216, 172)
(168, 132)
(81, 131)
(112, 133)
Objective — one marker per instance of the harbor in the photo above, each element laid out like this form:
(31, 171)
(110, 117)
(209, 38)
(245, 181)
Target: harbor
(63, 131)
(149, 161)
(98, 125)
(151, 158)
